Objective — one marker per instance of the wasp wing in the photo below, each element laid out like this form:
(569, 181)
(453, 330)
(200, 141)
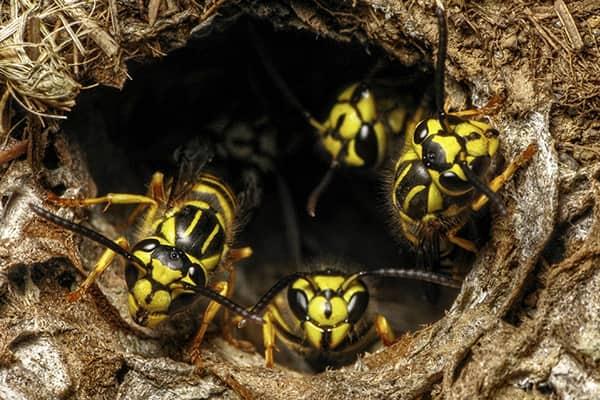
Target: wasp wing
(190, 159)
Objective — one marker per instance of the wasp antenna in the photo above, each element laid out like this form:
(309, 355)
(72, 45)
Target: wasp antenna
(226, 302)
(282, 86)
(414, 274)
(311, 204)
(85, 232)
(258, 308)
(440, 71)
(482, 187)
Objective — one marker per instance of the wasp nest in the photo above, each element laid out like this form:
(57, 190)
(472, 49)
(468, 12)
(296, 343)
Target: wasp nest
(525, 323)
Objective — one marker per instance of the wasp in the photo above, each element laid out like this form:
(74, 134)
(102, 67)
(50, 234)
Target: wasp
(360, 127)
(185, 233)
(444, 173)
(324, 315)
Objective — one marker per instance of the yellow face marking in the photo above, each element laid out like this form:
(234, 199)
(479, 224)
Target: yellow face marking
(143, 256)
(338, 334)
(331, 145)
(193, 223)
(163, 274)
(411, 194)
(132, 304)
(355, 287)
(346, 94)
(160, 302)
(317, 307)
(155, 319)
(141, 290)
(367, 107)
(352, 159)
(210, 237)
(351, 120)
(304, 286)
(450, 145)
(332, 282)
(313, 334)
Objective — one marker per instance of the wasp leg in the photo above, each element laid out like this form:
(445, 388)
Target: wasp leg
(384, 330)
(211, 310)
(156, 191)
(460, 242)
(508, 172)
(490, 108)
(235, 255)
(268, 329)
(103, 263)
(109, 199)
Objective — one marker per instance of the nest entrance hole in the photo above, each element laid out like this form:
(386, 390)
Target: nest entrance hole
(220, 79)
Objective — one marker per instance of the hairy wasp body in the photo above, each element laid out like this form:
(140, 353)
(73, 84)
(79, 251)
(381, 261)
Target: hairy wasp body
(444, 172)
(185, 232)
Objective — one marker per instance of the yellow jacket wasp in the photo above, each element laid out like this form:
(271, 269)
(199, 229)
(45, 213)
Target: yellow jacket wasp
(443, 173)
(186, 234)
(358, 130)
(324, 313)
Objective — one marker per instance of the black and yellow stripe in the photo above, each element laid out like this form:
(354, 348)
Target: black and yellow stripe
(359, 126)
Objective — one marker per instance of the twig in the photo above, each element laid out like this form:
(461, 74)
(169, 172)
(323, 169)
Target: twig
(153, 8)
(14, 151)
(96, 33)
(567, 21)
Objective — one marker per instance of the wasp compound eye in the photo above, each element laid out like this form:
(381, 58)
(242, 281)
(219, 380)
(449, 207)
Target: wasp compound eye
(298, 303)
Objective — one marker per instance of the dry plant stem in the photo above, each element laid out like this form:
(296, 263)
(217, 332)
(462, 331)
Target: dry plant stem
(14, 151)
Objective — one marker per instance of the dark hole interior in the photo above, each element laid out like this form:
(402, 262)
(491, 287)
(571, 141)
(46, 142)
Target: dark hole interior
(127, 135)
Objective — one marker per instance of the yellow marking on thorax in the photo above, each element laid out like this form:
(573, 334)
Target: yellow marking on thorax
(192, 225)
(167, 229)
(210, 237)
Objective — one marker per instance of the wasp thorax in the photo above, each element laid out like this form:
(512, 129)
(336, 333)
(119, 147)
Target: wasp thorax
(165, 283)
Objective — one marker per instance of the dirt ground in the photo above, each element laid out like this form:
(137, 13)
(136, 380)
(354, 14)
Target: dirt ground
(526, 322)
